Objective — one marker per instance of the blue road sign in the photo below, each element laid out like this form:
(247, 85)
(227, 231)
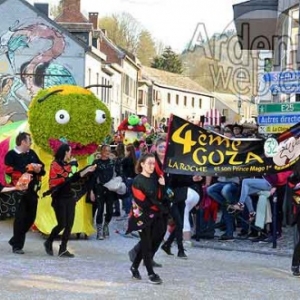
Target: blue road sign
(278, 119)
(282, 76)
(286, 88)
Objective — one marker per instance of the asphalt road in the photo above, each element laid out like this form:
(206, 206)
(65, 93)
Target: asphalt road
(100, 271)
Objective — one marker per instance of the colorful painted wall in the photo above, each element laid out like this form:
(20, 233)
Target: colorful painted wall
(34, 54)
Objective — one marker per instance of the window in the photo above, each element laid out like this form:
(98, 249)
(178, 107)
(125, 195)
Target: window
(292, 58)
(169, 98)
(177, 99)
(97, 88)
(225, 113)
(105, 92)
(200, 102)
(185, 101)
(193, 102)
(90, 76)
(141, 100)
(294, 26)
(153, 95)
(158, 96)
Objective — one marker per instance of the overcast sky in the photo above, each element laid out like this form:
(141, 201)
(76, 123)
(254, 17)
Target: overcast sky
(172, 22)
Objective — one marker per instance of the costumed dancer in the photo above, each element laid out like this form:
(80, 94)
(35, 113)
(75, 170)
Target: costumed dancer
(19, 161)
(294, 184)
(145, 215)
(63, 201)
(104, 172)
(128, 166)
(73, 115)
(163, 201)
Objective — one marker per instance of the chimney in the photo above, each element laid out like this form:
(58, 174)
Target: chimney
(104, 31)
(71, 5)
(42, 7)
(93, 18)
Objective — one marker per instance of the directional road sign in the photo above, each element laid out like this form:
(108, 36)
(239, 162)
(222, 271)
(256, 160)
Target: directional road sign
(278, 108)
(284, 76)
(278, 119)
(285, 88)
(273, 128)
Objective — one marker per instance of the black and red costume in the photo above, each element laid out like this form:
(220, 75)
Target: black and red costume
(294, 184)
(63, 200)
(16, 163)
(146, 218)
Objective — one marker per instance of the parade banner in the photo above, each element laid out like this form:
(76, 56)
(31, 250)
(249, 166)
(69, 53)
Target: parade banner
(193, 150)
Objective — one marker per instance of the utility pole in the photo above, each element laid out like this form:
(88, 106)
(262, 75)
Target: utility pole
(239, 103)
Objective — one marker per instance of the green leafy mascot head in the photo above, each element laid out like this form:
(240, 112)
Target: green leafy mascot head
(68, 114)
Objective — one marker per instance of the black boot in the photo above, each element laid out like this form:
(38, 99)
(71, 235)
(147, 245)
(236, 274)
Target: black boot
(295, 271)
(63, 252)
(48, 247)
(181, 252)
(167, 248)
(105, 230)
(99, 232)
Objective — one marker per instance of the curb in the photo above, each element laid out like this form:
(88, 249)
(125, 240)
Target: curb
(284, 253)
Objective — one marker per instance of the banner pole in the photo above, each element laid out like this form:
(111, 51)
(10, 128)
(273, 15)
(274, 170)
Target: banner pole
(274, 219)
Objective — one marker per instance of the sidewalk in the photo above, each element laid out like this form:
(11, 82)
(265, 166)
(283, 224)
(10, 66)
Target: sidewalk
(285, 245)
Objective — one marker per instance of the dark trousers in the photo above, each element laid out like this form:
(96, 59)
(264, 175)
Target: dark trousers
(149, 238)
(64, 209)
(296, 254)
(24, 218)
(106, 198)
(177, 212)
(159, 227)
(280, 191)
(163, 225)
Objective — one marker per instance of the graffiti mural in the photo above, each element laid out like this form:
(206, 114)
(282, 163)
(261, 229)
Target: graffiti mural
(29, 61)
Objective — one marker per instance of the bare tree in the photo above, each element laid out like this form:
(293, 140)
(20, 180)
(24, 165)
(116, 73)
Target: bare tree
(126, 32)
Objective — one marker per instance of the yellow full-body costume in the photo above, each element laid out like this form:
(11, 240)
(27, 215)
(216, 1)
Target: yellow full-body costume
(73, 115)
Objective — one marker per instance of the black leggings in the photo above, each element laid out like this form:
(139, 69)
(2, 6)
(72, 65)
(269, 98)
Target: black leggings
(150, 237)
(104, 197)
(296, 254)
(65, 213)
(177, 213)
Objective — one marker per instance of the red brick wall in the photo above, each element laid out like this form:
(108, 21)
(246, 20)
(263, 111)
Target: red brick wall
(112, 55)
(71, 12)
(93, 18)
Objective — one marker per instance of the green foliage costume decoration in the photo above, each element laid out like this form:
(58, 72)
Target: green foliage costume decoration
(69, 114)
(74, 115)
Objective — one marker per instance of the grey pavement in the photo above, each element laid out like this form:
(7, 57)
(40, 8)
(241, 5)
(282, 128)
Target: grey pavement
(283, 247)
(100, 271)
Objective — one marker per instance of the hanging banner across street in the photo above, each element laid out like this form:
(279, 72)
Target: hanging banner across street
(194, 150)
